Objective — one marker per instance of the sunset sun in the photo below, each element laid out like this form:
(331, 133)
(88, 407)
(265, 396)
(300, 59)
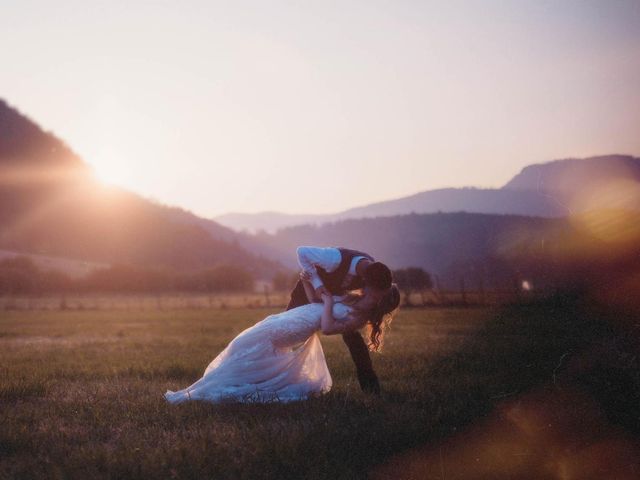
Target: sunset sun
(111, 168)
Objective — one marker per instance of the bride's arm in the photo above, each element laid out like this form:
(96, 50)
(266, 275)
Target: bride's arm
(305, 277)
(328, 323)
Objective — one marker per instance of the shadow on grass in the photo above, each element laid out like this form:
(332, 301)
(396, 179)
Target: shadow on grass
(563, 361)
(563, 338)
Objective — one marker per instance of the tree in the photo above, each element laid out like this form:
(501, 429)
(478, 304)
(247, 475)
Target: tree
(284, 281)
(227, 278)
(412, 280)
(18, 275)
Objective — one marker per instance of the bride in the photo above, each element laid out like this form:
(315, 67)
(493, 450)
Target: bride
(280, 358)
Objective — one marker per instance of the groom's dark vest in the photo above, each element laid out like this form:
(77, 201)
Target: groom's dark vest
(334, 280)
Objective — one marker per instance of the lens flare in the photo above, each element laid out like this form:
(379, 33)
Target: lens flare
(112, 168)
(610, 213)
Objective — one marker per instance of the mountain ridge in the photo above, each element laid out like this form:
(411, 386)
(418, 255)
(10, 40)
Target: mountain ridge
(69, 214)
(51, 204)
(524, 194)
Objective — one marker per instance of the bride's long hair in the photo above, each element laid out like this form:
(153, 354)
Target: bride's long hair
(379, 317)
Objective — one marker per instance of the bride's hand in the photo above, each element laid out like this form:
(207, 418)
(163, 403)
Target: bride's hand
(305, 276)
(327, 298)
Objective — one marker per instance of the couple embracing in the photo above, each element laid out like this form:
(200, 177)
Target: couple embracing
(280, 358)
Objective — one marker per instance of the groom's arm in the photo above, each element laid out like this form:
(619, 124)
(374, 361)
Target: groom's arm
(327, 258)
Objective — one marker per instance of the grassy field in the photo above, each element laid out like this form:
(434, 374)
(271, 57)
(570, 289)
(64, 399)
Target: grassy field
(223, 301)
(81, 394)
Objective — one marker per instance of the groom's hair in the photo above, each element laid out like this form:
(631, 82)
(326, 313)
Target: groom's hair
(377, 275)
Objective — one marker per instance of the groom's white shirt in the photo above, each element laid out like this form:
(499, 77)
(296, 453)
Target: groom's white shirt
(328, 258)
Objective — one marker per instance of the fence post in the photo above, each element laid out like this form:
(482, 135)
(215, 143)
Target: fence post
(463, 291)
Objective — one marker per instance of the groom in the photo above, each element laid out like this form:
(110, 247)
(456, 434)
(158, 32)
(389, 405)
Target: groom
(336, 271)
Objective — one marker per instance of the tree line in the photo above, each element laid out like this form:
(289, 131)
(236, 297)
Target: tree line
(20, 275)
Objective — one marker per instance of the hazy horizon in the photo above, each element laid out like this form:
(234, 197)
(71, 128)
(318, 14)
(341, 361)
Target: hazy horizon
(218, 107)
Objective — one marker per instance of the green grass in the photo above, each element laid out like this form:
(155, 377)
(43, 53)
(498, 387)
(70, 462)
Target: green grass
(81, 393)
(81, 396)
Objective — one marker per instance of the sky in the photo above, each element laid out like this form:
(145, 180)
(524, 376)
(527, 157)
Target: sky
(319, 106)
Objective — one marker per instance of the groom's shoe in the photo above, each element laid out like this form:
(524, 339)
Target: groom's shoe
(369, 384)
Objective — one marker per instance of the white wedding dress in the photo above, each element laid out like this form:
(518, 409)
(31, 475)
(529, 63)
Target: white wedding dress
(278, 359)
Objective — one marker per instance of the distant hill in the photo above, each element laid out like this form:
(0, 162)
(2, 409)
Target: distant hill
(409, 240)
(471, 200)
(267, 221)
(50, 204)
(493, 251)
(580, 185)
(573, 175)
(71, 268)
(553, 189)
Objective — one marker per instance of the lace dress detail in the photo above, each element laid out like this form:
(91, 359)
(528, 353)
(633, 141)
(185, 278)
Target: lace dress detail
(278, 359)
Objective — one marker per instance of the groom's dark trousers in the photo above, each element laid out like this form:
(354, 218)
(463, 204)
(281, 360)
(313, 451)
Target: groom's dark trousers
(359, 352)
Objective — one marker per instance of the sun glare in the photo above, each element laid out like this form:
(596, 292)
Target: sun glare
(112, 169)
